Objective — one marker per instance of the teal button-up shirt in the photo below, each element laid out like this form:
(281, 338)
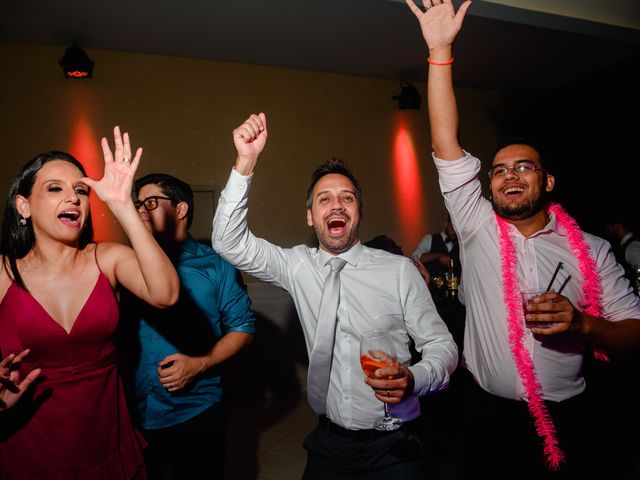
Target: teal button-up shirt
(213, 301)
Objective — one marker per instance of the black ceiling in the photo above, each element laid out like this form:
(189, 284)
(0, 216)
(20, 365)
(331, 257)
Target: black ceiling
(500, 48)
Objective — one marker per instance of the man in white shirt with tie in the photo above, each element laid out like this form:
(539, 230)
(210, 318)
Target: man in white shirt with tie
(378, 291)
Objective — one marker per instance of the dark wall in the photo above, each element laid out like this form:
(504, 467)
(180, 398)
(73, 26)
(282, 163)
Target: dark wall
(594, 134)
(589, 132)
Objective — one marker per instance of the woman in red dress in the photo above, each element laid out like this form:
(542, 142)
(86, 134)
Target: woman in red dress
(57, 300)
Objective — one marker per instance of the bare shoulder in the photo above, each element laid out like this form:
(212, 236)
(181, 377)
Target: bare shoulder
(109, 255)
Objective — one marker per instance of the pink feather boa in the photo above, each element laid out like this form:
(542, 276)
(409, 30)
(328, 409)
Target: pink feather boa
(515, 317)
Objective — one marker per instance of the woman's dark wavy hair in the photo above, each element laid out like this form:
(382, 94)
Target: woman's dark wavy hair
(18, 240)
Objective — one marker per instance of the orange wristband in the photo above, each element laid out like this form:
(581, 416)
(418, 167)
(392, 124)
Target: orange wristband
(440, 64)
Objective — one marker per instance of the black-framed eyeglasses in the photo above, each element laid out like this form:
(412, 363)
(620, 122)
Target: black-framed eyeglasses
(519, 166)
(150, 203)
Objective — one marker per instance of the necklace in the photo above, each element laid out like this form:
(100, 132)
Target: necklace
(515, 319)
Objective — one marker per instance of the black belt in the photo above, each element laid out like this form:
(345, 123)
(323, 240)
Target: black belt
(366, 434)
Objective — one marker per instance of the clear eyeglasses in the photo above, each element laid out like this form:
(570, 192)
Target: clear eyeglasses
(518, 167)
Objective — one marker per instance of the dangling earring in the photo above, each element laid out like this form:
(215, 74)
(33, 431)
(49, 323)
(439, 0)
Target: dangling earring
(23, 221)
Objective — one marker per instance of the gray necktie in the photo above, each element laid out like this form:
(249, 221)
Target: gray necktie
(322, 351)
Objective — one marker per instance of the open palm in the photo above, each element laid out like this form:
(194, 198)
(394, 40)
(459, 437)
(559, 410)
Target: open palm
(439, 23)
(119, 170)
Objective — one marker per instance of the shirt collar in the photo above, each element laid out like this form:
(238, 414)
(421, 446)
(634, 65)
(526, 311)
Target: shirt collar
(189, 246)
(551, 227)
(446, 239)
(351, 256)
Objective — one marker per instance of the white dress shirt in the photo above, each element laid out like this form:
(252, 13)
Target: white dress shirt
(424, 246)
(558, 359)
(632, 252)
(379, 290)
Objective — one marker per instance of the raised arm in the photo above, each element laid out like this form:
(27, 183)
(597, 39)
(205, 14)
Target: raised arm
(250, 139)
(231, 236)
(143, 269)
(440, 25)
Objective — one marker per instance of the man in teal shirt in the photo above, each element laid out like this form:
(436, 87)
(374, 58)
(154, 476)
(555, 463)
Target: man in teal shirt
(177, 375)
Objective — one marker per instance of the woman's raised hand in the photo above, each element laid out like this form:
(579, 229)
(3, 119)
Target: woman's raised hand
(114, 188)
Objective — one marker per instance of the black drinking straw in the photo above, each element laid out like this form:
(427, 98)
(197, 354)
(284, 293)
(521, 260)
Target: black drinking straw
(555, 274)
(564, 284)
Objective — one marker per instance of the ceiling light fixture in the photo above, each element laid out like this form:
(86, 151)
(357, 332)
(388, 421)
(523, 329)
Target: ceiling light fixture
(408, 98)
(76, 63)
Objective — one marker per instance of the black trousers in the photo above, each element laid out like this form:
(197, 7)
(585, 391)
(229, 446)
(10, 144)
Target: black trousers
(191, 450)
(499, 439)
(335, 455)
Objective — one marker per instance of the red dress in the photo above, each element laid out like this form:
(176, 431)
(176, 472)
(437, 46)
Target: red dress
(76, 425)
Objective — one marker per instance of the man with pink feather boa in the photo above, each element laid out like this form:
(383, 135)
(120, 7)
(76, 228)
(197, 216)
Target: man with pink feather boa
(526, 412)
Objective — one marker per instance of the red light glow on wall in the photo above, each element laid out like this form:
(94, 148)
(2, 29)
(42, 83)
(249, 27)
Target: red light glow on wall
(408, 189)
(85, 146)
